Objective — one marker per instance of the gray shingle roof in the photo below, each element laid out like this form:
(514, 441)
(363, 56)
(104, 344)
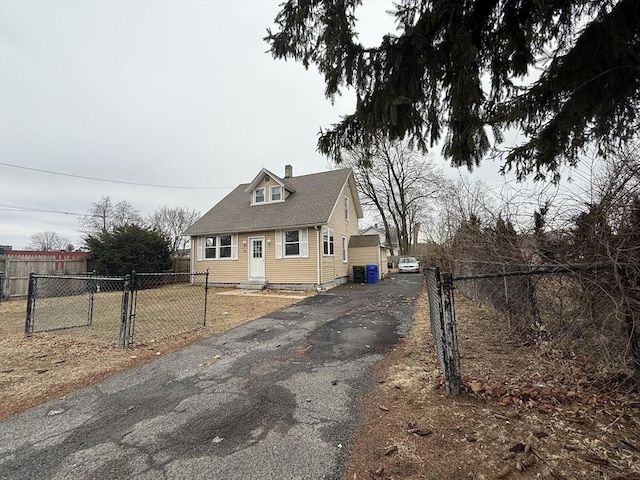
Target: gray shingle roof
(311, 203)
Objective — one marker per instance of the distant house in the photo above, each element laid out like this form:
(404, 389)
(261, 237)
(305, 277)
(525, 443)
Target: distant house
(289, 232)
(392, 248)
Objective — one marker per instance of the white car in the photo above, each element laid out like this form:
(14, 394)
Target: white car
(409, 264)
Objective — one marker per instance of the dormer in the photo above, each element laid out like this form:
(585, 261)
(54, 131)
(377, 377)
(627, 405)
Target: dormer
(268, 188)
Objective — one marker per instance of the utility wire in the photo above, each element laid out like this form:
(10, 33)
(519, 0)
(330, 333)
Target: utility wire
(16, 208)
(111, 181)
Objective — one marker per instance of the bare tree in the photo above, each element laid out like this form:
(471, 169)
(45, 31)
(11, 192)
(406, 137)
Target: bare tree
(48, 241)
(103, 216)
(171, 223)
(397, 182)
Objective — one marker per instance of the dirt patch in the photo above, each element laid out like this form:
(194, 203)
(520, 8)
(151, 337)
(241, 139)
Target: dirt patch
(44, 366)
(519, 417)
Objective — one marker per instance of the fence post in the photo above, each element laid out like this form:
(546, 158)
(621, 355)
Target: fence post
(452, 359)
(92, 285)
(506, 296)
(124, 309)
(206, 294)
(31, 304)
(133, 299)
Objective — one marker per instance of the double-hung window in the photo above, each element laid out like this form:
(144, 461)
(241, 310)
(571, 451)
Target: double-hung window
(327, 241)
(225, 246)
(218, 247)
(275, 193)
(345, 248)
(211, 247)
(258, 195)
(291, 243)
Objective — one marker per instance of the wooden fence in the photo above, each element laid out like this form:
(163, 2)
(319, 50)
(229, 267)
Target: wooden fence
(15, 266)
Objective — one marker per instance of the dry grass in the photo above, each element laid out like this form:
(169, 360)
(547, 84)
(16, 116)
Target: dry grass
(492, 432)
(43, 366)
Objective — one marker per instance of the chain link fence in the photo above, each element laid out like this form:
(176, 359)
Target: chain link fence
(564, 307)
(443, 326)
(132, 310)
(166, 304)
(539, 302)
(570, 309)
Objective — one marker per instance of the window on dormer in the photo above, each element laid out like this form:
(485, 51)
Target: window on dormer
(258, 195)
(276, 193)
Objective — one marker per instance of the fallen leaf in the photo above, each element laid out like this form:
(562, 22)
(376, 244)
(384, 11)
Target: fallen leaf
(476, 387)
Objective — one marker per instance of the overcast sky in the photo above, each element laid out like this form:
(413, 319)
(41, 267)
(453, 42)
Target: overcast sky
(175, 93)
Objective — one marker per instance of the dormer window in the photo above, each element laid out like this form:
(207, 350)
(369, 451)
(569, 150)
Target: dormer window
(276, 193)
(258, 195)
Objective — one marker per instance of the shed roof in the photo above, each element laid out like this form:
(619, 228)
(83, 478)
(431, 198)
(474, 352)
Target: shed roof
(364, 241)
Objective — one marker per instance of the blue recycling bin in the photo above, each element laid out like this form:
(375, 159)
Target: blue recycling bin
(372, 273)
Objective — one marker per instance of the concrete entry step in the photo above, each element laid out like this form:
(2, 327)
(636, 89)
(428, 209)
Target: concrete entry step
(253, 285)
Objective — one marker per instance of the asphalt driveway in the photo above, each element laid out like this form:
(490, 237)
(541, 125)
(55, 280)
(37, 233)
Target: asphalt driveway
(273, 399)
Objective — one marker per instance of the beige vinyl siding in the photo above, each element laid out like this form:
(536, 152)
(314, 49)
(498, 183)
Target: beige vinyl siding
(267, 184)
(363, 255)
(222, 270)
(292, 269)
(332, 266)
(285, 270)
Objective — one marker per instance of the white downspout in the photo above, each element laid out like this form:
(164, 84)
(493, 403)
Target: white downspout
(318, 271)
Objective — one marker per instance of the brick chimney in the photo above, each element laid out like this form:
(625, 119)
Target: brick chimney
(288, 171)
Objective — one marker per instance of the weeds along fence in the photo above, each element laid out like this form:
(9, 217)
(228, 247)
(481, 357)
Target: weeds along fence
(132, 310)
(573, 309)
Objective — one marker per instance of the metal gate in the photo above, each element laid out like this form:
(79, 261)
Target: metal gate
(142, 307)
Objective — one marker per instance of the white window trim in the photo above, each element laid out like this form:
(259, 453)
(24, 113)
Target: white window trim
(346, 208)
(264, 196)
(303, 240)
(202, 242)
(345, 250)
(281, 199)
(330, 242)
(214, 248)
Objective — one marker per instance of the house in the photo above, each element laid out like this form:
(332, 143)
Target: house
(391, 249)
(290, 232)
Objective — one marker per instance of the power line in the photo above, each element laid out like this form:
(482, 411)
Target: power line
(17, 208)
(109, 180)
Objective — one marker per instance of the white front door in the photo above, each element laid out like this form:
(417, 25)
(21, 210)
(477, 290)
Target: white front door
(256, 258)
